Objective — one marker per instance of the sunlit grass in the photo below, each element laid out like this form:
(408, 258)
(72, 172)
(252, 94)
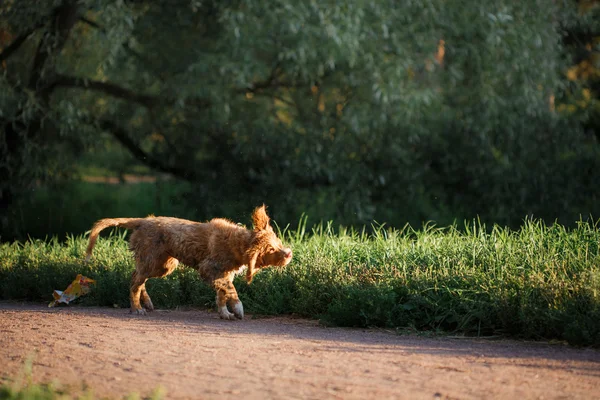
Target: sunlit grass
(536, 282)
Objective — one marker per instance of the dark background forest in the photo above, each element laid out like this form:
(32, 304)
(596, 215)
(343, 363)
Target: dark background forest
(354, 111)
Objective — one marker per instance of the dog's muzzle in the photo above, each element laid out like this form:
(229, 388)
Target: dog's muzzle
(287, 254)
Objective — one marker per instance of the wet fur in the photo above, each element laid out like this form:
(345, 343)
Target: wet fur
(216, 249)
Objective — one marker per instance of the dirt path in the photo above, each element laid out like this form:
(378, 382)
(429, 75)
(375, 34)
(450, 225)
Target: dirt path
(193, 354)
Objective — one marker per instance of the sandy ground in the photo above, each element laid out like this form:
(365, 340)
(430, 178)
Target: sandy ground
(193, 354)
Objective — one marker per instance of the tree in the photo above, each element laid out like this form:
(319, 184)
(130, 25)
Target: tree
(422, 110)
(582, 40)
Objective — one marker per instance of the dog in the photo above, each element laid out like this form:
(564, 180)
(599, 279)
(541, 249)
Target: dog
(217, 249)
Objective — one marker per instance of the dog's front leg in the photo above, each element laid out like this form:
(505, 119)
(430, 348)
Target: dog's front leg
(226, 293)
(234, 301)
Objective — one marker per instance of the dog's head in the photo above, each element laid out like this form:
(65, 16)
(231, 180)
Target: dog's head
(267, 249)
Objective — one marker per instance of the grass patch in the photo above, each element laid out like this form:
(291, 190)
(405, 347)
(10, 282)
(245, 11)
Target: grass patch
(538, 282)
(23, 388)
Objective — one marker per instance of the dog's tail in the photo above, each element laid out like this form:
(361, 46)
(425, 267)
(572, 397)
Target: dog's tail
(127, 223)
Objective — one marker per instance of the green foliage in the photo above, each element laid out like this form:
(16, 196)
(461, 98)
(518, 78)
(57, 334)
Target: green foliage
(72, 207)
(398, 112)
(538, 282)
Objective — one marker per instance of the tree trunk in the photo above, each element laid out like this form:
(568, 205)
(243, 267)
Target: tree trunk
(17, 132)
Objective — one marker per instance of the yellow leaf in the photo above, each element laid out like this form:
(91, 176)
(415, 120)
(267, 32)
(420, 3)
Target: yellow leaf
(157, 137)
(586, 94)
(321, 103)
(441, 51)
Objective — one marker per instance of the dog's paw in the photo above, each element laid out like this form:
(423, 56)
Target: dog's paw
(238, 310)
(225, 314)
(139, 311)
(148, 306)
(228, 316)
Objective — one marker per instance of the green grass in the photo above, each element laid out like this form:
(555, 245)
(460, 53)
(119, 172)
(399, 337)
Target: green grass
(23, 388)
(55, 391)
(538, 282)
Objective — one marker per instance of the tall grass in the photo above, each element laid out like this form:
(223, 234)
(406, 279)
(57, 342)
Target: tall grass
(538, 282)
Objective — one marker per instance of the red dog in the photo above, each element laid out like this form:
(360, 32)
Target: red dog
(216, 249)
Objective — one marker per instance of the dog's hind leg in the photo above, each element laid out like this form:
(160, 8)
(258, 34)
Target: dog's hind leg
(137, 284)
(161, 270)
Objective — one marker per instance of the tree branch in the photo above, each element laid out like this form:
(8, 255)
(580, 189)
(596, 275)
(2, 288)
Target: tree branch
(273, 82)
(91, 23)
(123, 137)
(126, 94)
(14, 46)
(127, 47)
(269, 84)
(111, 89)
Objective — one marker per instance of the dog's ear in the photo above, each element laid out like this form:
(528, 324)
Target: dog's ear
(251, 267)
(260, 218)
